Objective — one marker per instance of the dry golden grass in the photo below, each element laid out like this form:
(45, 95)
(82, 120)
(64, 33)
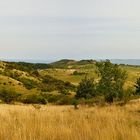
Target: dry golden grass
(19, 122)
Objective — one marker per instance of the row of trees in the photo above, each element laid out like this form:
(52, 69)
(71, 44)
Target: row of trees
(110, 84)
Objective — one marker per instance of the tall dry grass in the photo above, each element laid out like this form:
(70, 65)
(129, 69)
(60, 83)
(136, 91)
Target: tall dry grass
(64, 123)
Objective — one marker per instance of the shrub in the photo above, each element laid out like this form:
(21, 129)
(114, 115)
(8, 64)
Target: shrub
(128, 94)
(86, 89)
(65, 100)
(65, 92)
(59, 99)
(8, 95)
(137, 86)
(53, 98)
(55, 84)
(34, 99)
(78, 73)
(109, 98)
(28, 83)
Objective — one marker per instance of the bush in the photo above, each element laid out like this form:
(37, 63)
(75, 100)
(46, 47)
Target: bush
(55, 84)
(34, 99)
(59, 99)
(137, 86)
(109, 98)
(8, 95)
(65, 92)
(28, 83)
(64, 100)
(86, 89)
(78, 73)
(128, 94)
(53, 98)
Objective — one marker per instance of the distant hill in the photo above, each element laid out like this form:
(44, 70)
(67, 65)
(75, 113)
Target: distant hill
(63, 62)
(84, 62)
(67, 62)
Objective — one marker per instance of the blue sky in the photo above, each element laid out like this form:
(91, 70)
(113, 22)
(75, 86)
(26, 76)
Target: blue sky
(75, 29)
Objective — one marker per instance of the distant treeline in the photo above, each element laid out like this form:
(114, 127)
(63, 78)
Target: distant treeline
(24, 66)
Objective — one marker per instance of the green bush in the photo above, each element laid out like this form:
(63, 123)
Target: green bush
(65, 100)
(137, 86)
(53, 98)
(78, 73)
(86, 89)
(34, 99)
(64, 91)
(59, 99)
(55, 84)
(28, 83)
(128, 93)
(8, 95)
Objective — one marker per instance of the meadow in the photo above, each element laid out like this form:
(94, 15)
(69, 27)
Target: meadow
(25, 122)
(133, 72)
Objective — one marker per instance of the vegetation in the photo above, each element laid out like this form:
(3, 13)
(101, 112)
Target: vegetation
(24, 66)
(86, 81)
(110, 84)
(28, 83)
(66, 123)
(137, 85)
(34, 99)
(112, 81)
(86, 89)
(8, 95)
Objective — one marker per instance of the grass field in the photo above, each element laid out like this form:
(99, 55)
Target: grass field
(67, 74)
(22, 122)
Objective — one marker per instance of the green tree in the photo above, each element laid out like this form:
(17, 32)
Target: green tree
(112, 79)
(86, 89)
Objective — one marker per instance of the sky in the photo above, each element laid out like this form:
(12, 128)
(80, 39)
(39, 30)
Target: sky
(72, 29)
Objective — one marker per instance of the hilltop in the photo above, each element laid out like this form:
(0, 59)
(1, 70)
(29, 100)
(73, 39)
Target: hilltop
(65, 63)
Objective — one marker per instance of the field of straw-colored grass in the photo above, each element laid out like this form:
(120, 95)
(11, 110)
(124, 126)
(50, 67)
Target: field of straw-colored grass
(22, 122)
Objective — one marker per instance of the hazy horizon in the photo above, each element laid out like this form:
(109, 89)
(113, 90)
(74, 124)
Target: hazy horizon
(135, 62)
(82, 29)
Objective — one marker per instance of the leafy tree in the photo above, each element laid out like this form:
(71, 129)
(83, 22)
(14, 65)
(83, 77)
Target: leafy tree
(112, 80)
(86, 89)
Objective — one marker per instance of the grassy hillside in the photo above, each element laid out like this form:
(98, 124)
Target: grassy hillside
(67, 74)
(25, 79)
(59, 78)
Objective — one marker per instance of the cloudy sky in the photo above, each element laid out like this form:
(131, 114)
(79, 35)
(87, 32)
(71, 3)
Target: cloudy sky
(76, 29)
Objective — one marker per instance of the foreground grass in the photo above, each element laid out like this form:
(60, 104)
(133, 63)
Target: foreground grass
(64, 123)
